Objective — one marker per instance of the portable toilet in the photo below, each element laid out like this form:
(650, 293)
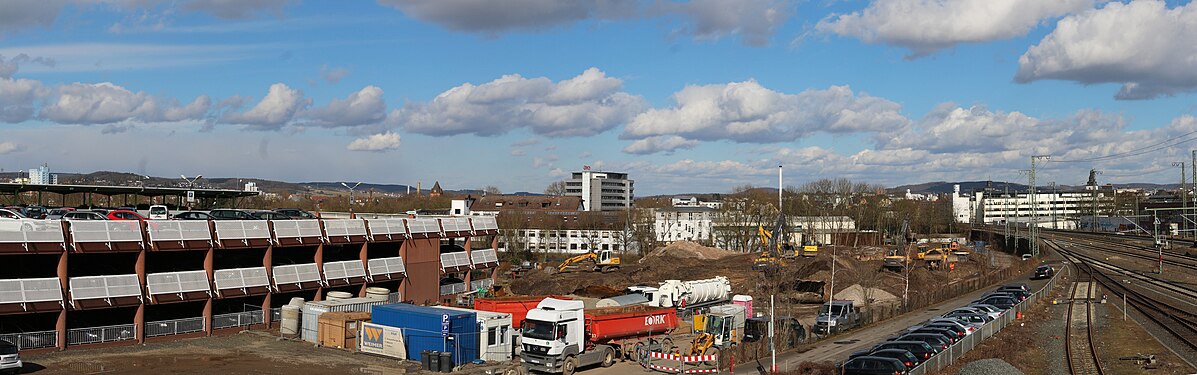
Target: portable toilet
(745, 301)
(431, 328)
(495, 335)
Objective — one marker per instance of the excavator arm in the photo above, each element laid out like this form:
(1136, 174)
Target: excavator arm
(576, 259)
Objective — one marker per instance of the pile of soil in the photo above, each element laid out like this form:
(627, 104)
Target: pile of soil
(688, 249)
(857, 295)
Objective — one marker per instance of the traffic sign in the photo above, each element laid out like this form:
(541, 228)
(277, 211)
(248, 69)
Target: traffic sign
(191, 196)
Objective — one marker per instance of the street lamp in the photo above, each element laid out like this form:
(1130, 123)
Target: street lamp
(190, 186)
(350, 195)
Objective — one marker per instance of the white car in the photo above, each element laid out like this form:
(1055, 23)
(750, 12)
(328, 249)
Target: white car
(991, 310)
(10, 360)
(14, 222)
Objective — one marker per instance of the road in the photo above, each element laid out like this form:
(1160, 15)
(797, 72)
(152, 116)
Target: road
(839, 347)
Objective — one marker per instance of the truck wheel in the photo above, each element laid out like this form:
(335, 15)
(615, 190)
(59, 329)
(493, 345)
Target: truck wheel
(570, 365)
(609, 358)
(667, 345)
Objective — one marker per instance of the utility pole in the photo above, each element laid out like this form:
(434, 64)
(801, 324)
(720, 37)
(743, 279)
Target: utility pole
(1193, 203)
(351, 196)
(1055, 197)
(1006, 215)
(772, 348)
(1096, 189)
(1158, 246)
(1034, 206)
(1183, 198)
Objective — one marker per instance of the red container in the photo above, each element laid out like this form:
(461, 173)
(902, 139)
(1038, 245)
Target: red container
(517, 306)
(614, 323)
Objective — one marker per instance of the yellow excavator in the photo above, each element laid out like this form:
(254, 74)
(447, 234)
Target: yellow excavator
(717, 331)
(601, 261)
(774, 250)
(898, 259)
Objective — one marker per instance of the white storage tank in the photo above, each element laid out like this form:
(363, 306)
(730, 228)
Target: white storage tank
(338, 295)
(378, 293)
(290, 320)
(677, 293)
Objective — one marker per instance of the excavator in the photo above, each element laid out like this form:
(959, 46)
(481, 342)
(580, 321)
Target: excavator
(601, 261)
(774, 251)
(897, 259)
(717, 331)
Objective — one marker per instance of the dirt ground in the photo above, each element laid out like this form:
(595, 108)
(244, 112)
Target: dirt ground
(249, 352)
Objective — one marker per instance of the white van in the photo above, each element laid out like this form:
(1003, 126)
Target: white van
(159, 212)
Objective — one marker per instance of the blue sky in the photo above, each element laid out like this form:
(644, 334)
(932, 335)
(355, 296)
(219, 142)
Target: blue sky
(687, 96)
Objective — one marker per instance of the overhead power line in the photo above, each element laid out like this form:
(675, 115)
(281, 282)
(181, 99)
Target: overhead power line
(1171, 142)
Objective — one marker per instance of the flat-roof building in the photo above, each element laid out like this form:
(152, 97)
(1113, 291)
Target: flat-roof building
(601, 191)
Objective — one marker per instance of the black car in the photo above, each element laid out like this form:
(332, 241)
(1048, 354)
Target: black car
(1044, 272)
(270, 215)
(899, 354)
(227, 214)
(921, 350)
(1002, 302)
(192, 215)
(942, 331)
(955, 325)
(295, 213)
(937, 341)
(870, 365)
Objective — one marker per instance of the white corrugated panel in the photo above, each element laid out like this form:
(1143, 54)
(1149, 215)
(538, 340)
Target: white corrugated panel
(345, 227)
(423, 225)
(387, 266)
(106, 231)
(387, 226)
(455, 224)
(30, 290)
(311, 312)
(485, 223)
(296, 228)
(242, 229)
(95, 287)
(343, 270)
(484, 256)
(179, 230)
(236, 278)
(31, 231)
(295, 273)
(177, 282)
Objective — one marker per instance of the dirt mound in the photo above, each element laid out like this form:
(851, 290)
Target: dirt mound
(687, 249)
(858, 295)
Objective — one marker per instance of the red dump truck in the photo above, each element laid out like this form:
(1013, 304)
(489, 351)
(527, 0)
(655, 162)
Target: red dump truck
(559, 336)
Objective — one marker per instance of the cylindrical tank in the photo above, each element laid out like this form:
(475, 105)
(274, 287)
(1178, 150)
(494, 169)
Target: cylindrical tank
(614, 323)
(339, 295)
(378, 293)
(624, 300)
(290, 322)
(677, 293)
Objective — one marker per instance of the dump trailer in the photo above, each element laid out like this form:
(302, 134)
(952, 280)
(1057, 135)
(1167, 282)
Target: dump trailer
(517, 306)
(559, 336)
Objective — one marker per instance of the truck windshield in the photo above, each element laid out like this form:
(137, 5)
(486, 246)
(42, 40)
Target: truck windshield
(836, 310)
(539, 330)
(8, 349)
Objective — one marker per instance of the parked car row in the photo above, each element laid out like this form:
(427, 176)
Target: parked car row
(901, 353)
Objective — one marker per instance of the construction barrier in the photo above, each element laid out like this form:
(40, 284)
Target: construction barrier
(680, 367)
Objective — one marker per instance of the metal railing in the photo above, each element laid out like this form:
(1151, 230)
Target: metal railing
(276, 314)
(174, 327)
(96, 335)
(482, 284)
(955, 352)
(29, 231)
(241, 319)
(451, 289)
(32, 340)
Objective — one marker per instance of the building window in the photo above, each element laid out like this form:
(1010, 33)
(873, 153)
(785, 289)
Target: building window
(573, 246)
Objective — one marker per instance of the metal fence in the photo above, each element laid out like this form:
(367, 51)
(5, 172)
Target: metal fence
(450, 289)
(955, 352)
(174, 327)
(241, 319)
(32, 340)
(276, 314)
(96, 335)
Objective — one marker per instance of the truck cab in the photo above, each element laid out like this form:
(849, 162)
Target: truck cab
(553, 335)
(836, 316)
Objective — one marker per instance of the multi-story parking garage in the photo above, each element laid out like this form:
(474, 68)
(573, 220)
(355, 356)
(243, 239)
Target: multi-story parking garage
(65, 284)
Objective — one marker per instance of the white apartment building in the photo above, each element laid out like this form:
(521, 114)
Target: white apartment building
(564, 241)
(684, 223)
(601, 191)
(1051, 209)
(41, 176)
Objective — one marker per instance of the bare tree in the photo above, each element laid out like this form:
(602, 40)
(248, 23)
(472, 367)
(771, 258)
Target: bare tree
(491, 190)
(557, 188)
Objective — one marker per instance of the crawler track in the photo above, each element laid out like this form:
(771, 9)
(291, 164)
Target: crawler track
(1078, 336)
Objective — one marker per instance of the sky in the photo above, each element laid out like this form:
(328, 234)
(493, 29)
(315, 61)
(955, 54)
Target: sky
(686, 96)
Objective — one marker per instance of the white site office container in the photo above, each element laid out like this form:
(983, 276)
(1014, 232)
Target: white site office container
(311, 313)
(496, 339)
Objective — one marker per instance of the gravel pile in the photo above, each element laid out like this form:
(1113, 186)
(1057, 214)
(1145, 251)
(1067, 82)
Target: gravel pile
(992, 366)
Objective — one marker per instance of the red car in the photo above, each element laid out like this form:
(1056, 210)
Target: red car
(124, 215)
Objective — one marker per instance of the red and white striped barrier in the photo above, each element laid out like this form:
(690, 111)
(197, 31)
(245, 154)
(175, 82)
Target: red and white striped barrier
(689, 358)
(684, 360)
(707, 371)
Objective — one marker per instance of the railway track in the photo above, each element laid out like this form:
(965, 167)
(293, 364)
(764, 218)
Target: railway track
(1078, 335)
(1130, 248)
(1158, 300)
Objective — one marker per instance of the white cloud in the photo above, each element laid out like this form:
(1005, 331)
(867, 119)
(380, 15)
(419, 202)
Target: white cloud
(237, 9)
(23, 14)
(1143, 45)
(279, 107)
(10, 147)
(926, 26)
(749, 112)
(753, 20)
(366, 106)
(92, 57)
(8, 67)
(17, 97)
(333, 75)
(105, 103)
(664, 143)
(377, 143)
(585, 105)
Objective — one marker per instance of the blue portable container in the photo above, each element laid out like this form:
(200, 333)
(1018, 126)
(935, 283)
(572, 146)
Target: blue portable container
(430, 328)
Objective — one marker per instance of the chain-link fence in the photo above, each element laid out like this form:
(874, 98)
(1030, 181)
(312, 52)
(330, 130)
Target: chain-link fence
(241, 319)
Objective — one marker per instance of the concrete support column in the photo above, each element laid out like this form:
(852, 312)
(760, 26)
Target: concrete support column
(266, 316)
(210, 268)
(365, 263)
(319, 260)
